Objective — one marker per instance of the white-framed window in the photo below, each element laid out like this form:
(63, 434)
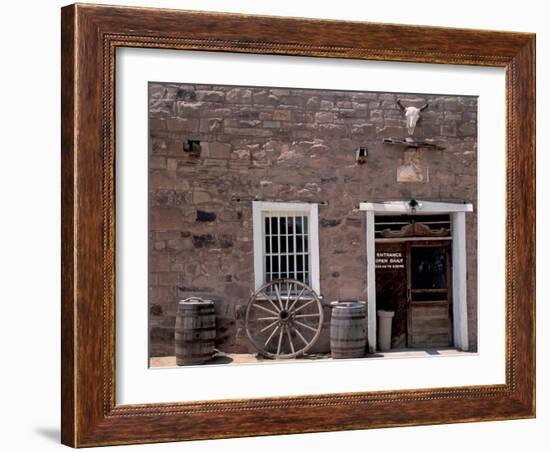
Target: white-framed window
(286, 242)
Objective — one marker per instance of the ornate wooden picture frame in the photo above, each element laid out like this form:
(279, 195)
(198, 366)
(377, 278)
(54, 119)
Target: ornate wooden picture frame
(90, 37)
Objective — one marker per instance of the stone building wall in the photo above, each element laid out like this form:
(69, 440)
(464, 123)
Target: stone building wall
(276, 144)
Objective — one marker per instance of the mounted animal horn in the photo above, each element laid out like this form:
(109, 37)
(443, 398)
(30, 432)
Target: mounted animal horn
(412, 115)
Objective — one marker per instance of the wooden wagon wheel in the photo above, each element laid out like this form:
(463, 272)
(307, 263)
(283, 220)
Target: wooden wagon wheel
(284, 318)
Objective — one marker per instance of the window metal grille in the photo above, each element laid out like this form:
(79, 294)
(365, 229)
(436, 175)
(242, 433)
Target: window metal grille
(286, 247)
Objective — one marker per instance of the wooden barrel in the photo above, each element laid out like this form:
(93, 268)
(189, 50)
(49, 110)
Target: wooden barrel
(195, 331)
(348, 330)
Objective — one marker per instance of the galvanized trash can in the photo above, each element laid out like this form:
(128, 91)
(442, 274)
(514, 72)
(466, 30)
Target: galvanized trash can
(195, 331)
(384, 329)
(348, 329)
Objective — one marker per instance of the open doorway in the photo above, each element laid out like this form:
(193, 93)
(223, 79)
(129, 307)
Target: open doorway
(390, 225)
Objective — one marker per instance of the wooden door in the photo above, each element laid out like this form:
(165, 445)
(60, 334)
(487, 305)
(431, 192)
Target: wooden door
(429, 294)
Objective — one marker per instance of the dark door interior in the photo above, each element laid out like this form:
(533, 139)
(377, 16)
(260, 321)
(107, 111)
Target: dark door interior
(391, 287)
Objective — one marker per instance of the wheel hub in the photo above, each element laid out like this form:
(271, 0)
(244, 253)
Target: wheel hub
(284, 316)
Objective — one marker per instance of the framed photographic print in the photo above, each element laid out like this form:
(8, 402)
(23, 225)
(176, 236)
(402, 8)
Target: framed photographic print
(280, 225)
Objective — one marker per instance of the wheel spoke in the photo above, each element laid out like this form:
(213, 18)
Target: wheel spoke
(304, 305)
(269, 326)
(266, 318)
(297, 299)
(301, 336)
(268, 298)
(271, 335)
(290, 340)
(302, 316)
(305, 326)
(265, 309)
(288, 292)
(278, 296)
(280, 342)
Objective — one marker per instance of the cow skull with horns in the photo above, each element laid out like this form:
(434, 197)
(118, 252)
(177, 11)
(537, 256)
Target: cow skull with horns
(412, 115)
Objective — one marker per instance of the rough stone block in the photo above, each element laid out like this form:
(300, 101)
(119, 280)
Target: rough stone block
(159, 262)
(201, 197)
(161, 334)
(271, 124)
(329, 222)
(324, 116)
(157, 162)
(363, 129)
(165, 218)
(392, 132)
(282, 115)
(468, 129)
(216, 149)
(211, 125)
(157, 124)
(239, 95)
(350, 114)
(182, 125)
(333, 130)
(187, 109)
(265, 96)
(210, 96)
(313, 102)
(376, 116)
(448, 130)
(168, 278)
(248, 131)
(387, 97)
